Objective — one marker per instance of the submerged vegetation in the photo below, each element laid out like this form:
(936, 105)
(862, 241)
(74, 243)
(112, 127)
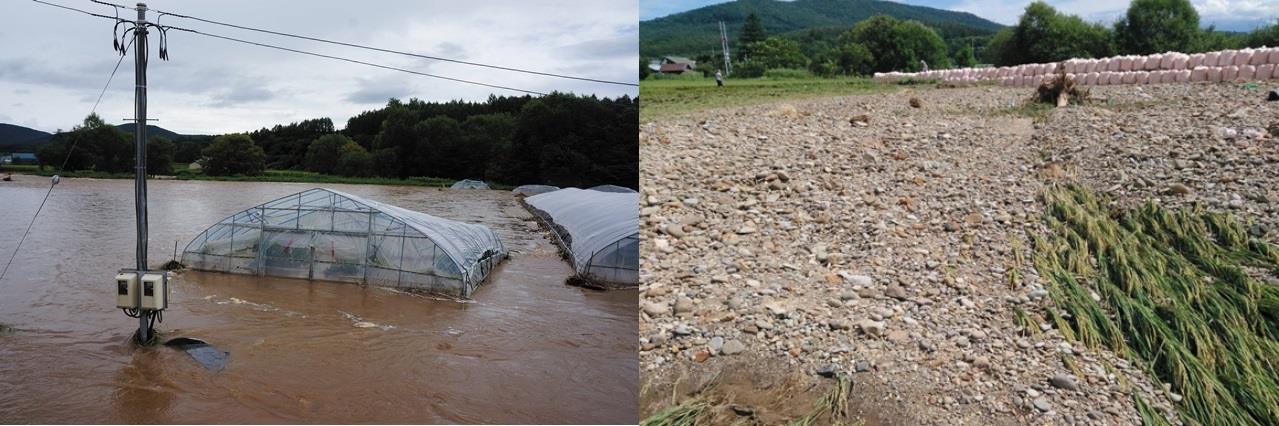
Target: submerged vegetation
(1182, 292)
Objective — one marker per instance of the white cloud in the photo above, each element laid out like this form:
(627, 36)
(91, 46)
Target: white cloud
(215, 86)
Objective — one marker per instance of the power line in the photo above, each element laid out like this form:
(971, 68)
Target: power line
(387, 67)
(114, 18)
(378, 49)
(71, 149)
(495, 86)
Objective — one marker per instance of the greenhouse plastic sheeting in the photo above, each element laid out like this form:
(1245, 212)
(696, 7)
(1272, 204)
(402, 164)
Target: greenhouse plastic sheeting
(528, 190)
(599, 229)
(324, 234)
(469, 184)
(611, 188)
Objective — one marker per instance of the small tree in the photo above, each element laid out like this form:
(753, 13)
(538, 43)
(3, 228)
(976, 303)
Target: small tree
(1153, 26)
(898, 45)
(323, 153)
(159, 156)
(777, 52)
(964, 57)
(234, 154)
(752, 32)
(856, 59)
(644, 71)
(354, 161)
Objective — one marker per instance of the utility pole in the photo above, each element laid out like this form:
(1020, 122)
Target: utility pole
(140, 153)
(723, 42)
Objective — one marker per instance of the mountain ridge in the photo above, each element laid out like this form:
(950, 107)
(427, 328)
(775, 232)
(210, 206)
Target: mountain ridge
(696, 31)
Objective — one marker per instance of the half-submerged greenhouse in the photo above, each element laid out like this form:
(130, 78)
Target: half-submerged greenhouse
(470, 184)
(530, 190)
(598, 230)
(324, 234)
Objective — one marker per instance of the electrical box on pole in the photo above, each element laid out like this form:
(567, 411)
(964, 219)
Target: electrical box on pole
(126, 293)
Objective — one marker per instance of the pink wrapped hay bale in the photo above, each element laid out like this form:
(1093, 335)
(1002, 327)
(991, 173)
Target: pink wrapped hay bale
(1214, 75)
(1199, 74)
(1229, 73)
(1195, 61)
(1211, 59)
(1259, 56)
(1273, 56)
(1183, 76)
(1226, 59)
(1265, 71)
(1247, 72)
(1243, 57)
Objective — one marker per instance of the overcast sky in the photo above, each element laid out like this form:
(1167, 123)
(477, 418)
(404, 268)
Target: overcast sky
(54, 62)
(1235, 15)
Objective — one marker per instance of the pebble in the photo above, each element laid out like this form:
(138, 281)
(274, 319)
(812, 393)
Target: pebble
(732, 347)
(1065, 381)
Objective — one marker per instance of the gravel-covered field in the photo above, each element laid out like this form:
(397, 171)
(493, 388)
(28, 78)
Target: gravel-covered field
(862, 236)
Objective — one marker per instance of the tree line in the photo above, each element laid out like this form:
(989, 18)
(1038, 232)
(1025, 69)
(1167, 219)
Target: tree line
(1042, 34)
(557, 139)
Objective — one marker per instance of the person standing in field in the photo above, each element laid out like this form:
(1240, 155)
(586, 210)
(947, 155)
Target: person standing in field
(923, 65)
(719, 78)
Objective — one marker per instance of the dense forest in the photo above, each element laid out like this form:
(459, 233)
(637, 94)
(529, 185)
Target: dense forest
(557, 139)
(765, 40)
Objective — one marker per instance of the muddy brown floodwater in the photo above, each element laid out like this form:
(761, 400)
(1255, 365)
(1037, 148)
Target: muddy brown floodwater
(528, 349)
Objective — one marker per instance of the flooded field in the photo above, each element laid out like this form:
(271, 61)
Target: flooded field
(527, 349)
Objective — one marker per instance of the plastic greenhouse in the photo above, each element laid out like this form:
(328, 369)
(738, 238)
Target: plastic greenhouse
(324, 234)
(611, 188)
(530, 190)
(469, 184)
(598, 230)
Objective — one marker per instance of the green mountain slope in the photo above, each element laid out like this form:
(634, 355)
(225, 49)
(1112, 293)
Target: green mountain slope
(152, 131)
(696, 32)
(13, 135)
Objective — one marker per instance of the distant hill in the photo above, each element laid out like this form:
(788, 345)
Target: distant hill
(696, 32)
(15, 136)
(152, 131)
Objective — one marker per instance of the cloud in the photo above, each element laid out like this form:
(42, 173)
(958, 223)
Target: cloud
(610, 48)
(236, 96)
(213, 86)
(378, 91)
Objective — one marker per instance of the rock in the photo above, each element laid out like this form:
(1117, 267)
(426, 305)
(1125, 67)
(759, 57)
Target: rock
(861, 366)
(896, 292)
(1178, 189)
(1041, 404)
(733, 347)
(701, 355)
(1065, 381)
(683, 305)
(716, 344)
(871, 327)
(655, 309)
(837, 324)
(742, 410)
(982, 363)
(828, 370)
(859, 280)
(916, 103)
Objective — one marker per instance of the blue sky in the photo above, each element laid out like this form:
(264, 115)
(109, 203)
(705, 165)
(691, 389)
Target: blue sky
(1237, 15)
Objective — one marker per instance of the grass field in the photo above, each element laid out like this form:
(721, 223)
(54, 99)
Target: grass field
(181, 172)
(668, 98)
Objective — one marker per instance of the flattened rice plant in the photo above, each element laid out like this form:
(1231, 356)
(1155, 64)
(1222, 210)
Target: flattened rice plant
(1179, 293)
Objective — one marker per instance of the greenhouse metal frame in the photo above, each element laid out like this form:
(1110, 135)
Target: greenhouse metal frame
(323, 234)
